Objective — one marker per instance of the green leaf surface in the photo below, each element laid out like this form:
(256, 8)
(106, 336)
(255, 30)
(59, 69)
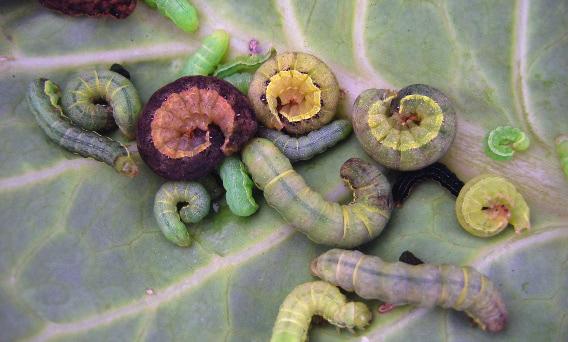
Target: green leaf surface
(82, 257)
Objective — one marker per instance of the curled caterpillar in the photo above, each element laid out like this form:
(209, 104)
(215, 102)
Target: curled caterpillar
(324, 222)
(562, 151)
(96, 99)
(502, 142)
(307, 146)
(238, 185)
(43, 97)
(208, 56)
(181, 12)
(448, 286)
(241, 81)
(437, 171)
(195, 206)
(244, 63)
(317, 298)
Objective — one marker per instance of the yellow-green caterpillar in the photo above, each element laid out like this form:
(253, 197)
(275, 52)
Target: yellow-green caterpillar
(502, 142)
(241, 81)
(195, 206)
(317, 298)
(43, 97)
(324, 222)
(207, 57)
(238, 185)
(307, 146)
(562, 150)
(181, 12)
(448, 286)
(92, 99)
(244, 63)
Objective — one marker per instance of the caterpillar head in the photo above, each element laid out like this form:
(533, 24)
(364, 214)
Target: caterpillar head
(353, 315)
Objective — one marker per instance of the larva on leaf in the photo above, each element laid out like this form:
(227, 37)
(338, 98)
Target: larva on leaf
(487, 204)
(244, 63)
(97, 99)
(241, 81)
(317, 298)
(181, 12)
(196, 203)
(562, 151)
(448, 286)
(308, 146)
(502, 142)
(238, 186)
(324, 222)
(43, 98)
(207, 57)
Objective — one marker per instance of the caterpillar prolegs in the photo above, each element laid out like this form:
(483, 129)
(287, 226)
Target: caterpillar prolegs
(448, 286)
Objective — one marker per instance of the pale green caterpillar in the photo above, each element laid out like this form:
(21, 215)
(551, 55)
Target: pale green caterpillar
(238, 185)
(502, 142)
(241, 81)
(244, 63)
(181, 12)
(43, 97)
(195, 206)
(92, 98)
(562, 150)
(448, 286)
(208, 56)
(317, 298)
(324, 222)
(307, 146)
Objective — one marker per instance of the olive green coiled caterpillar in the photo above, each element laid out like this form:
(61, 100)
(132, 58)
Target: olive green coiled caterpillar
(562, 151)
(181, 12)
(195, 206)
(426, 285)
(241, 81)
(244, 63)
(43, 97)
(307, 146)
(238, 186)
(317, 298)
(207, 57)
(92, 99)
(502, 142)
(324, 222)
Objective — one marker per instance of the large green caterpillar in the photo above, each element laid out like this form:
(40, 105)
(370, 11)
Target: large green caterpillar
(207, 57)
(562, 150)
(324, 222)
(92, 99)
(316, 298)
(307, 146)
(448, 286)
(181, 12)
(238, 185)
(43, 97)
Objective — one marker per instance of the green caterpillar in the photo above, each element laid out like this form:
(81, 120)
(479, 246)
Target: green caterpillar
(196, 203)
(502, 142)
(92, 98)
(316, 298)
(324, 222)
(181, 12)
(208, 56)
(238, 185)
(43, 97)
(448, 286)
(241, 81)
(244, 63)
(307, 146)
(562, 150)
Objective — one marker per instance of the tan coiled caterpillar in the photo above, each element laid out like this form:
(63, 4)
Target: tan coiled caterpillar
(316, 298)
(448, 286)
(324, 222)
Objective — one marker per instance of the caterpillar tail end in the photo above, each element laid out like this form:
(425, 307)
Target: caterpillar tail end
(126, 166)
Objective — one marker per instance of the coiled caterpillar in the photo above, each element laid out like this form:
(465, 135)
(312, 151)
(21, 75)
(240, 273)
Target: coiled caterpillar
(316, 298)
(92, 99)
(207, 57)
(502, 142)
(43, 97)
(195, 206)
(181, 12)
(448, 286)
(238, 185)
(307, 146)
(324, 222)
(562, 151)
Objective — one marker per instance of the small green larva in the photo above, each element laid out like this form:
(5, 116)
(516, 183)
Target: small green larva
(238, 186)
(181, 12)
(241, 81)
(43, 97)
(196, 203)
(91, 99)
(207, 57)
(244, 63)
(448, 286)
(324, 222)
(562, 150)
(502, 142)
(307, 146)
(317, 298)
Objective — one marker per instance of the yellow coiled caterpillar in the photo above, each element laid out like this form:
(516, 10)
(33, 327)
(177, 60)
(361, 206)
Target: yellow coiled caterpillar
(448, 286)
(324, 222)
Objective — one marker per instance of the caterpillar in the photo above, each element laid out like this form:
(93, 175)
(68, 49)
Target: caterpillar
(487, 204)
(240, 80)
(324, 222)
(244, 63)
(448, 286)
(195, 204)
(43, 97)
(562, 151)
(317, 298)
(307, 146)
(208, 56)
(181, 12)
(502, 142)
(238, 185)
(437, 171)
(92, 99)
